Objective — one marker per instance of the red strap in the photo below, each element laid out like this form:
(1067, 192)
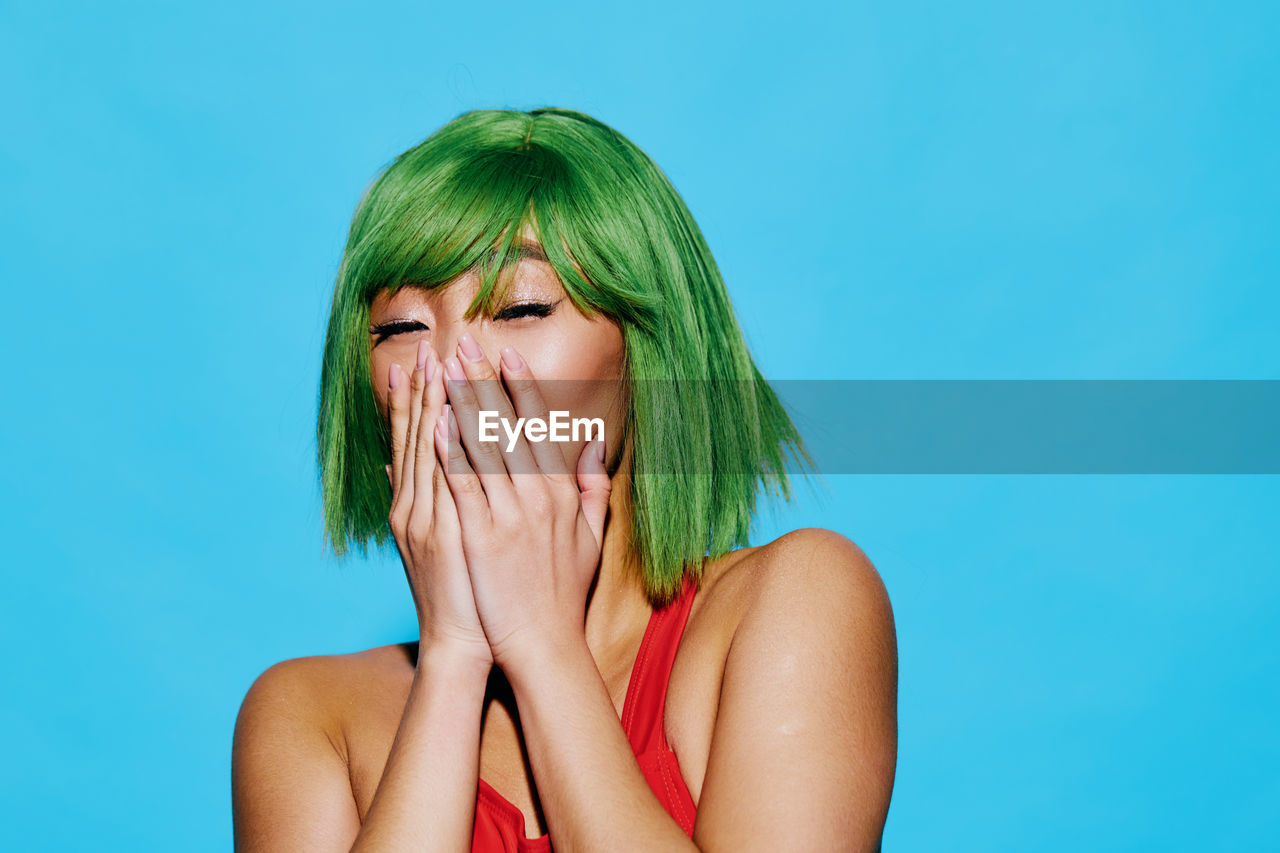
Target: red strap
(647, 692)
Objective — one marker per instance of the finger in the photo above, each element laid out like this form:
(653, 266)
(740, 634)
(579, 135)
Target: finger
(445, 518)
(492, 398)
(486, 458)
(465, 487)
(529, 404)
(398, 410)
(409, 459)
(595, 486)
(424, 466)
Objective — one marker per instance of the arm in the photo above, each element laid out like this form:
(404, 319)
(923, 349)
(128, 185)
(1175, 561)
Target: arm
(591, 788)
(426, 798)
(803, 750)
(427, 794)
(290, 784)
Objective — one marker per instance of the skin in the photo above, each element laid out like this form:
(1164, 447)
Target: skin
(782, 698)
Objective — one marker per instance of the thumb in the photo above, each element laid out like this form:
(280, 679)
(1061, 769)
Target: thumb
(595, 486)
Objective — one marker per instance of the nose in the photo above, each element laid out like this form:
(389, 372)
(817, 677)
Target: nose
(448, 340)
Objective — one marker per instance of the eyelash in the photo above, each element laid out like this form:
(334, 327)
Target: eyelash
(517, 311)
(395, 327)
(526, 309)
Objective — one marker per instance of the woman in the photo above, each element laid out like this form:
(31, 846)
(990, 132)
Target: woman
(600, 664)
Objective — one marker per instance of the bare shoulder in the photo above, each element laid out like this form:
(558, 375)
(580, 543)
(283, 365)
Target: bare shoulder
(295, 749)
(320, 689)
(316, 699)
(806, 574)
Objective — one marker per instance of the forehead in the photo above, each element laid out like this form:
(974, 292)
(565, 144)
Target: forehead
(530, 268)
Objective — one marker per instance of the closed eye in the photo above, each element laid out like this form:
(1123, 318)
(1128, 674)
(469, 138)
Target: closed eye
(382, 331)
(520, 310)
(526, 309)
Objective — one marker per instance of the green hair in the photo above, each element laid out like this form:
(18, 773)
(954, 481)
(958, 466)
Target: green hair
(459, 201)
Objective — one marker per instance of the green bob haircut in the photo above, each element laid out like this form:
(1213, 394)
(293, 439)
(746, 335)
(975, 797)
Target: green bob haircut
(708, 433)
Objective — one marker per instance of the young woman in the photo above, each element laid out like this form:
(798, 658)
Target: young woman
(601, 663)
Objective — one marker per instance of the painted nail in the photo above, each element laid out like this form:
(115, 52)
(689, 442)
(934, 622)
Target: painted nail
(469, 348)
(453, 367)
(393, 377)
(422, 354)
(442, 422)
(429, 371)
(600, 451)
(446, 426)
(511, 359)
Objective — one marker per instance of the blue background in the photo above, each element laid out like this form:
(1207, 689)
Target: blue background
(1080, 190)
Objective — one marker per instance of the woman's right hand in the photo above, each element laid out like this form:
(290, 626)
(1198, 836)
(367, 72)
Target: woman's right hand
(424, 519)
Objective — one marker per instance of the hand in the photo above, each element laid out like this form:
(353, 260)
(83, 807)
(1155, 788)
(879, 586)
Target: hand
(531, 530)
(423, 518)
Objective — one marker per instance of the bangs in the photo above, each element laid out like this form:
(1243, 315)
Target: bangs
(429, 228)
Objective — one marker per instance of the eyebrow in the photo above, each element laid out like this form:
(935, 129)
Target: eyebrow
(525, 249)
(520, 251)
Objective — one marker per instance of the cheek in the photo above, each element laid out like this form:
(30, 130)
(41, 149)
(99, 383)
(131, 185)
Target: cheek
(378, 366)
(580, 372)
(589, 351)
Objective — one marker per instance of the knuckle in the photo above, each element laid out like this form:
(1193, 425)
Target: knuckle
(420, 516)
(541, 503)
(566, 506)
(457, 458)
(480, 371)
(522, 386)
(489, 461)
(419, 538)
(461, 393)
(506, 526)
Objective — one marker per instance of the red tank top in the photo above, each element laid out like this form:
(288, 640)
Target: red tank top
(499, 826)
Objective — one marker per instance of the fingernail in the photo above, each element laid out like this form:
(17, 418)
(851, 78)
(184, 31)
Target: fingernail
(446, 425)
(600, 450)
(430, 369)
(511, 359)
(469, 347)
(422, 354)
(453, 367)
(393, 378)
(388, 470)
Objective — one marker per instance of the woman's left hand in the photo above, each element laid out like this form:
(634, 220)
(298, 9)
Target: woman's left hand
(532, 530)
